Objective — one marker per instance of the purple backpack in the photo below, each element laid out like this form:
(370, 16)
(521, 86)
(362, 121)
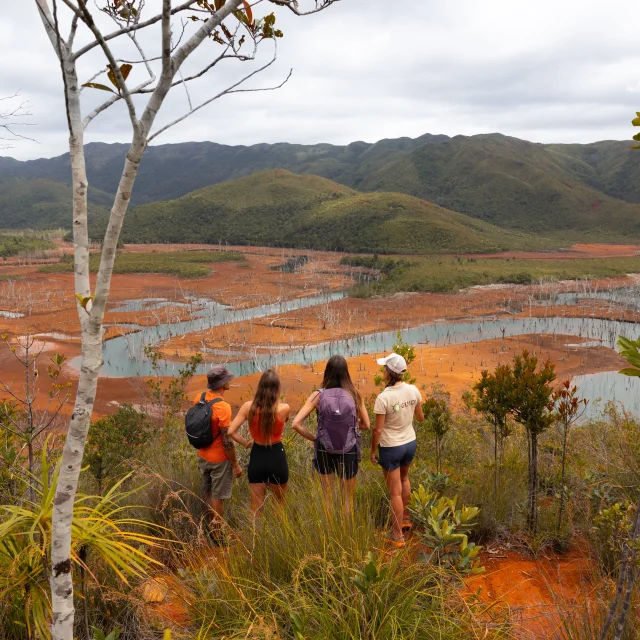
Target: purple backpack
(337, 422)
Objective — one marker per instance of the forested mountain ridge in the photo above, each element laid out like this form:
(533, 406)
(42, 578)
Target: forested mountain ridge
(280, 208)
(520, 185)
(173, 170)
(568, 192)
(37, 203)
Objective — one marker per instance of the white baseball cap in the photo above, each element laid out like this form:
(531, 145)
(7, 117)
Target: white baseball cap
(396, 363)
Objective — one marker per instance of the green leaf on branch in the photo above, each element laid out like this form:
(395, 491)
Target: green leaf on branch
(630, 372)
(97, 85)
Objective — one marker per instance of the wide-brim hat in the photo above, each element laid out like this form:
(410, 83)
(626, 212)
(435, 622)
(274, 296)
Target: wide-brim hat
(218, 376)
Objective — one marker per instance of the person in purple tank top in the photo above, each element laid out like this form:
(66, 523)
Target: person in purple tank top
(341, 414)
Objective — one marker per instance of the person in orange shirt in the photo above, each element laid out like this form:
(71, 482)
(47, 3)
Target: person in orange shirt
(218, 463)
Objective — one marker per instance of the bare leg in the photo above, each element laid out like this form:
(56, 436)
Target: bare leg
(279, 492)
(326, 481)
(348, 488)
(394, 484)
(406, 491)
(258, 492)
(216, 513)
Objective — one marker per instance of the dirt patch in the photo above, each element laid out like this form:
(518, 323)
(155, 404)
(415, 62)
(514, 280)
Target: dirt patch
(533, 590)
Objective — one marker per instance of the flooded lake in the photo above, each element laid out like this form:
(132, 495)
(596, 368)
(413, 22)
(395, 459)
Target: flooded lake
(124, 357)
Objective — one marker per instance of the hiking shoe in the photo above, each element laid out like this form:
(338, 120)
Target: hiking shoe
(396, 543)
(406, 526)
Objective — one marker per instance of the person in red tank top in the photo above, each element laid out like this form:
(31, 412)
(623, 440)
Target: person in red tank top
(266, 416)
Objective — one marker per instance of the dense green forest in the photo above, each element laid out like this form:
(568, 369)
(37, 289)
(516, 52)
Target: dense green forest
(567, 192)
(279, 208)
(37, 203)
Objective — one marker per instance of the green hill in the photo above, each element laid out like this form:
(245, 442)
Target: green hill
(170, 171)
(280, 208)
(569, 192)
(609, 166)
(36, 203)
(511, 183)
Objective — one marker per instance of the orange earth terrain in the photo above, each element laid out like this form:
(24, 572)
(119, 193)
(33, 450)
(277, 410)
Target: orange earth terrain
(525, 586)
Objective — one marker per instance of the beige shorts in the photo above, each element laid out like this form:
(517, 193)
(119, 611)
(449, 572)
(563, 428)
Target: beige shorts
(217, 478)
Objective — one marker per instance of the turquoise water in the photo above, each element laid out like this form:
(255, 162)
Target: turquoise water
(123, 356)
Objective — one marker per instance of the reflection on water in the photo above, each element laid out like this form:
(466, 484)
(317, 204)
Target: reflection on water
(123, 356)
(600, 388)
(628, 297)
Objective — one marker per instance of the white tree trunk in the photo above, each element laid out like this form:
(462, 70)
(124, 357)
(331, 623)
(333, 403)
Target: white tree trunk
(61, 578)
(91, 317)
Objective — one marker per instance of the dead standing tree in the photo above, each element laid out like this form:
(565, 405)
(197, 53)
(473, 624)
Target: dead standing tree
(228, 23)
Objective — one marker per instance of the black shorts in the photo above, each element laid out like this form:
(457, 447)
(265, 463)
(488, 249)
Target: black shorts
(345, 465)
(268, 464)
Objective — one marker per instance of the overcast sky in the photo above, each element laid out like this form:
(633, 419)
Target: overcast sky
(549, 71)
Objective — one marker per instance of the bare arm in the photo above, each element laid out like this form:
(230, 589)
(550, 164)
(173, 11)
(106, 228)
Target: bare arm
(229, 448)
(303, 414)
(363, 417)
(238, 421)
(381, 418)
(418, 414)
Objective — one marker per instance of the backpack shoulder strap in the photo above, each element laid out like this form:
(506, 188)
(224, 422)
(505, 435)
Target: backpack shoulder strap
(211, 403)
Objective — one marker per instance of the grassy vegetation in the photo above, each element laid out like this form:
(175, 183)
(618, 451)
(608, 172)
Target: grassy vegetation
(448, 274)
(13, 244)
(308, 572)
(279, 208)
(184, 264)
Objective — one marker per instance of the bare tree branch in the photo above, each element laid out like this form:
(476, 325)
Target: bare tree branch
(227, 91)
(10, 119)
(131, 28)
(72, 32)
(204, 70)
(294, 6)
(115, 68)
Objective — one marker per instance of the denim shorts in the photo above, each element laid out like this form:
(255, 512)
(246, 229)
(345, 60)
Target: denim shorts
(391, 458)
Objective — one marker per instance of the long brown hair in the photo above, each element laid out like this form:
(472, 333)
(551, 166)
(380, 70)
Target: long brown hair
(337, 376)
(265, 403)
(394, 377)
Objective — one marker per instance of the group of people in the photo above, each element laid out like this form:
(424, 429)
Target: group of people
(341, 415)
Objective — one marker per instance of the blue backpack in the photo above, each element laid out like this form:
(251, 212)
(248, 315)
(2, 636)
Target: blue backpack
(337, 422)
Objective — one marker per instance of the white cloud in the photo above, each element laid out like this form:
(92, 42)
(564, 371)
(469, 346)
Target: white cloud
(369, 69)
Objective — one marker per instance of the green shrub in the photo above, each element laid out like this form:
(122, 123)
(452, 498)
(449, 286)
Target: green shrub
(444, 528)
(184, 264)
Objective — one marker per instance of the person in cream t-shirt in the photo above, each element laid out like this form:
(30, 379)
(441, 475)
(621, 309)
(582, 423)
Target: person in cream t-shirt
(393, 442)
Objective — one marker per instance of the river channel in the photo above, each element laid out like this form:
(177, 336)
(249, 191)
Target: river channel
(123, 356)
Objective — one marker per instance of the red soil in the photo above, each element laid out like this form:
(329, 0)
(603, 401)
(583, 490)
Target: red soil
(533, 591)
